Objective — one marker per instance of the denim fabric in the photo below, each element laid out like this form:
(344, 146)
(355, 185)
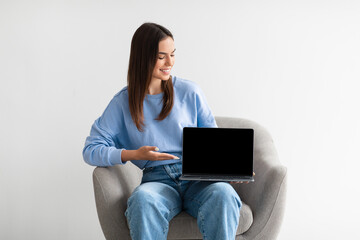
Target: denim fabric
(161, 196)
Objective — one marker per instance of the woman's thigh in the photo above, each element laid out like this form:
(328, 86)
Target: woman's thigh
(212, 193)
(156, 196)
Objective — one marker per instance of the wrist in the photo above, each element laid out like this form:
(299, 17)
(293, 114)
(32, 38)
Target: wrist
(127, 155)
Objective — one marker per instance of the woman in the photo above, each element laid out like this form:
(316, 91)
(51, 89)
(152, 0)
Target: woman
(143, 124)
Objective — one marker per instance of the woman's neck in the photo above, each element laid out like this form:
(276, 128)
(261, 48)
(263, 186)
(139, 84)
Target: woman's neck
(155, 87)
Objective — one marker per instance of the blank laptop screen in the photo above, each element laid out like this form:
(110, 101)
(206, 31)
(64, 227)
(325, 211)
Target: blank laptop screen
(218, 151)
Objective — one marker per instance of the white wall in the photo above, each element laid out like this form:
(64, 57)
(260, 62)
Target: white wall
(292, 66)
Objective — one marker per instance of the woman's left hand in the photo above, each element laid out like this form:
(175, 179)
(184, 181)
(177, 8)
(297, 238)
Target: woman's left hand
(242, 181)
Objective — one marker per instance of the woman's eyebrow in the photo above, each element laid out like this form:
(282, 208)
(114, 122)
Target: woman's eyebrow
(166, 53)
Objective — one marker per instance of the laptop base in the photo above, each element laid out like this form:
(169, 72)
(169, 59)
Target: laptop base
(218, 178)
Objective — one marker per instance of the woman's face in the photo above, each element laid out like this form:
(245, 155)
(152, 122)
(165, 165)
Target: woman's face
(166, 59)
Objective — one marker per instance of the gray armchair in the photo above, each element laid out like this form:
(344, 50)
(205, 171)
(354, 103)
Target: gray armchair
(263, 200)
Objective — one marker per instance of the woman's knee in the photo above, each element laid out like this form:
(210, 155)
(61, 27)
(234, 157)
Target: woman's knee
(224, 193)
(142, 198)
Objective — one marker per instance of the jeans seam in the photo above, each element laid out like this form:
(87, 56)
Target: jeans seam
(201, 217)
(195, 200)
(173, 210)
(169, 174)
(168, 218)
(128, 222)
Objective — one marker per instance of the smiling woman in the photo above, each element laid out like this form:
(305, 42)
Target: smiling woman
(163, 65)
(144, 124)
(151, 59)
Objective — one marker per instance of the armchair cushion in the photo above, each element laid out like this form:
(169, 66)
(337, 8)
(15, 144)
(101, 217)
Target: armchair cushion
(184, 226)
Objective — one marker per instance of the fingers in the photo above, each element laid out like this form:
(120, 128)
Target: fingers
(151, 148)
(240, 182)
(157, 156)
(164, 156)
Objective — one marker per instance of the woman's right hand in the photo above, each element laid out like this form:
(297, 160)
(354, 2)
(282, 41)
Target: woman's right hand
(146, 153)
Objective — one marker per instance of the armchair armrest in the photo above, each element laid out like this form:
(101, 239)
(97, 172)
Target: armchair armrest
(112, 187)
(265, 196)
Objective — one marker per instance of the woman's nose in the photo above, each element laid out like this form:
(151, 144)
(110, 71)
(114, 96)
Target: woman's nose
(169, 61)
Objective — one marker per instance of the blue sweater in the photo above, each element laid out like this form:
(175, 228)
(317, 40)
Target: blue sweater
(115, 130)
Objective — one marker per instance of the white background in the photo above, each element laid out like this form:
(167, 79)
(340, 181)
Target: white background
(292, 66)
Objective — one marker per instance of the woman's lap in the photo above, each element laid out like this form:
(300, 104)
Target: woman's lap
(162, 196)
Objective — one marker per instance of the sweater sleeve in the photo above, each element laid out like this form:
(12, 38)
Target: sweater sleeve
(205, 117)
(101, 147)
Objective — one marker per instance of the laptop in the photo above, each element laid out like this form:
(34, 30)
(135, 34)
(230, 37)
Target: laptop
(217, 154)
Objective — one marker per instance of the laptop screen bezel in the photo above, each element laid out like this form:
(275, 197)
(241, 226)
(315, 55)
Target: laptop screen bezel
(184, 152)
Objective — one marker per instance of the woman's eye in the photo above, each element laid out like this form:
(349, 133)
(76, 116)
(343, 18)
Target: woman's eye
(161, 58)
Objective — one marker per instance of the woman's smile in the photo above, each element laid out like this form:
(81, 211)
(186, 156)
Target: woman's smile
(166, 71)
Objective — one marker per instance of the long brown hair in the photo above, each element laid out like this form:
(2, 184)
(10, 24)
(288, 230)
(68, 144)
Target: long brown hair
(143, 57)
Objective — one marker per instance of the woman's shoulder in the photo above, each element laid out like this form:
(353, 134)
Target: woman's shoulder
(120, 98)
(123, 93)
(181, 84)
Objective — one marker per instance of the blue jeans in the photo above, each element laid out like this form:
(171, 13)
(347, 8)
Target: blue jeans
(161, 196)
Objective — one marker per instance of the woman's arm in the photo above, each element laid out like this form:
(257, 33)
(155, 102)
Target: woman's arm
(205, 117)
(145, 152)
(100, 148)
